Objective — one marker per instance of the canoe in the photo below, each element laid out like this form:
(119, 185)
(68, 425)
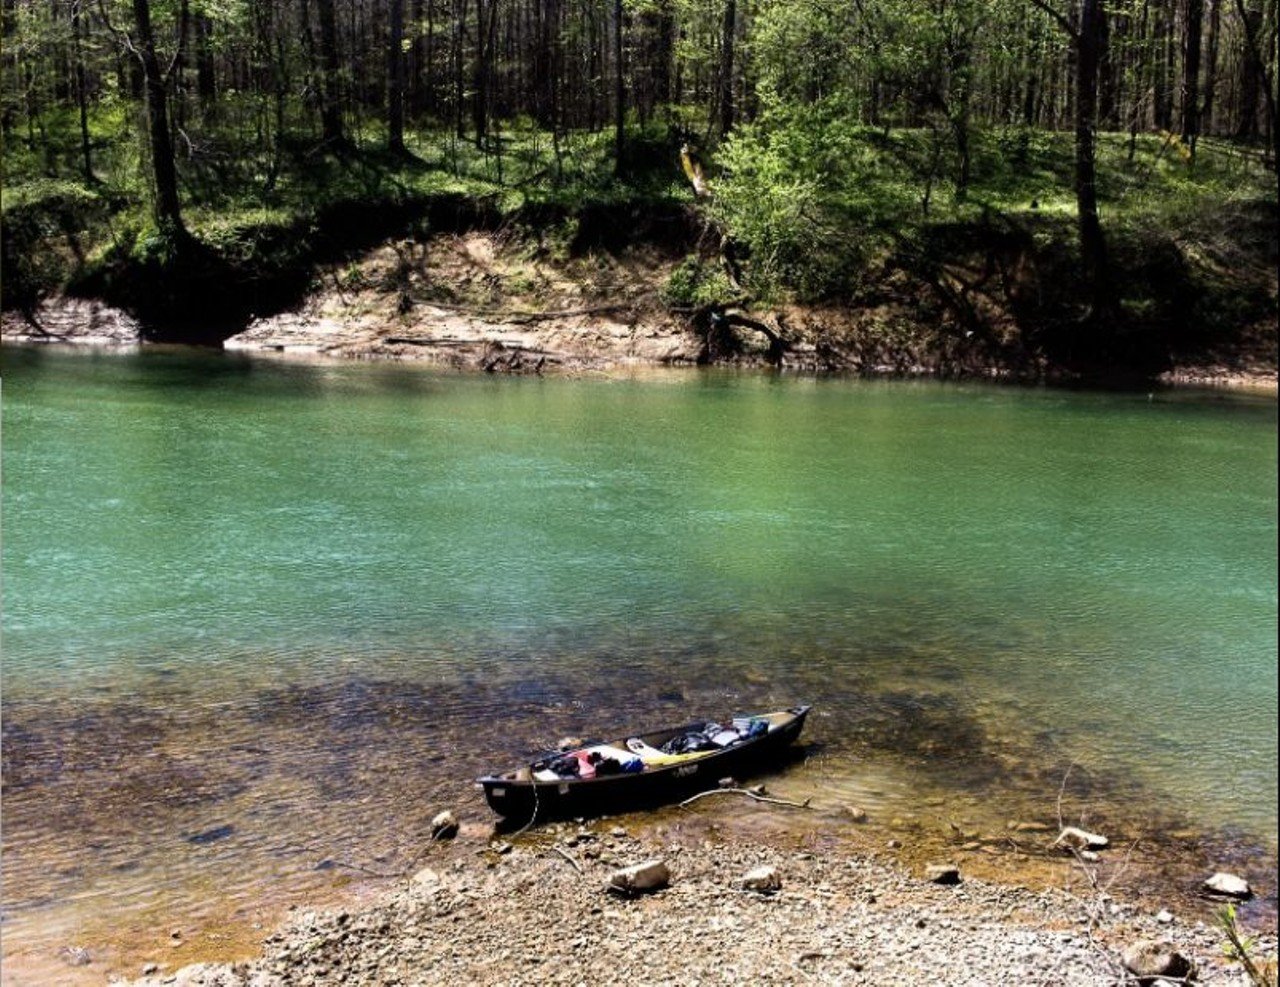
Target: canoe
(596, 778)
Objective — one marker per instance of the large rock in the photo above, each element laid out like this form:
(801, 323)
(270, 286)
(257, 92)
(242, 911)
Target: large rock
(943, 873)
(1149, 959)
(444, 826)
(652, 875)
(1228, 886)
(765, 880)
(1073, 838)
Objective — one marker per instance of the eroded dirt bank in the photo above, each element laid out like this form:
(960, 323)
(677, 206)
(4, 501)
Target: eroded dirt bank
(495, 301)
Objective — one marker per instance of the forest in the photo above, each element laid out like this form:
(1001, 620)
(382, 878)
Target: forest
(160, 152)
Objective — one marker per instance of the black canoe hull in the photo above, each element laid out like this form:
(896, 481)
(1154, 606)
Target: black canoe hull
(519, 802)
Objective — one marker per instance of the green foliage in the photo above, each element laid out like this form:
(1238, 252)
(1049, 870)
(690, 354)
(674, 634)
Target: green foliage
(815, 202)
(46, 223)
(1242, 949)
(694, 283)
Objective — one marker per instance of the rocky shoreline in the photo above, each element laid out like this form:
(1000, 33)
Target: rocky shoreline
(540, 908)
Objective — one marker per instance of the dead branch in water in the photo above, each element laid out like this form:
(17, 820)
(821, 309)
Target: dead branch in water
(748, 794)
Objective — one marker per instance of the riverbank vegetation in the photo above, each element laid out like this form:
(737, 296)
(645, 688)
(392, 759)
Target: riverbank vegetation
(1094, 185)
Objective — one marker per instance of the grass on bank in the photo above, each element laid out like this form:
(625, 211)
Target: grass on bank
(818, 207)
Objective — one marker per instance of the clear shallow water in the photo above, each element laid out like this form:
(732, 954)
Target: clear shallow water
(310, 601)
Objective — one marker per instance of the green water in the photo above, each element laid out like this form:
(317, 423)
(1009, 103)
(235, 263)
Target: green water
(357, 569)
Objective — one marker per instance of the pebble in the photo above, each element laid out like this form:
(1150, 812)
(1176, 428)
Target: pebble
(537, 921)
(764, 880)
(1155, 958)
(642, 878)
(75, 955)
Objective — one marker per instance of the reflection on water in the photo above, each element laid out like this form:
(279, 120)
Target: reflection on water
(261, 620)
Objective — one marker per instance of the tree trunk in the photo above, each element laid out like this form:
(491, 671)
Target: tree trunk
(1250, 71)
(168, 212)
(395, 79)
(619, 91)
(459, 85)
(1093, 248)
(206, 81)
(331, 96)
(1254, 53)
(82, 95)
(726, 66)
(480, 74)
(417, 57)
(1191, 72)
(1211, 68)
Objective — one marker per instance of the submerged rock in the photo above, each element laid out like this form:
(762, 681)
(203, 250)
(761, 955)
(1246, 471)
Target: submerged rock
(1073, 838)
(75, 956)
(651, 875)
(1149, 959)
(1228, 885)
(764, 880)
(855, 813)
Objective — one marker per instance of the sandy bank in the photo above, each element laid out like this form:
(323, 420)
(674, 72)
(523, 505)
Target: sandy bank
(538, 912)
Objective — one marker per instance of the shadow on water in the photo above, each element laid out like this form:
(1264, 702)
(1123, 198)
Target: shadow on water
(282, 777)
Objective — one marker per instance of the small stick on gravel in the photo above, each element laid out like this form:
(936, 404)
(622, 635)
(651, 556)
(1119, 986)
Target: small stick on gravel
(564, 853)
(751, 795)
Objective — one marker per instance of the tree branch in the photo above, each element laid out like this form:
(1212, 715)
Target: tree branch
(748, 794)
(1059, 17)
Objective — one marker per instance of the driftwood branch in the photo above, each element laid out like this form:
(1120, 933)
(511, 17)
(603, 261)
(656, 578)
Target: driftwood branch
(520, 318)
(567, 856)
(748, 794)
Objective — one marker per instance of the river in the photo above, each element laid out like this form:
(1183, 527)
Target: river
(261, 616)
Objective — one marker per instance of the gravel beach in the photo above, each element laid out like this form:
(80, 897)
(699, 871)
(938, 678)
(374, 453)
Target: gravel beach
(539, 910)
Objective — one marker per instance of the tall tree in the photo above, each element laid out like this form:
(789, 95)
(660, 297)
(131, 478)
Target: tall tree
(395, 79)
(331, 72)
(619, 89)
(82, 94)
(1093, 245)
(168, 211)
(1193, 25)
(727, 45)
(1087, 30)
